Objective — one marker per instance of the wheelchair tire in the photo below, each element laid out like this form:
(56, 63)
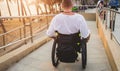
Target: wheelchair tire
(84, 56)
(54, 57)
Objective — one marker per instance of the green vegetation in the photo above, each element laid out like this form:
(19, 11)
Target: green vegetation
(74, 9)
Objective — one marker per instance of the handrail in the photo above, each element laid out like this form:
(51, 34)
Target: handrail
(23, 39)
(112, 22)
(111, 10)
(15, 42)
(12, 30)
(10, 17)
(25, 34)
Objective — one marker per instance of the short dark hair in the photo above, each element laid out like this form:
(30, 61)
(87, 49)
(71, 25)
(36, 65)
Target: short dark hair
(66, 3)
(102, 2)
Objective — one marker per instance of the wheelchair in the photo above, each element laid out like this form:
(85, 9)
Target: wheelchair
(83, 52)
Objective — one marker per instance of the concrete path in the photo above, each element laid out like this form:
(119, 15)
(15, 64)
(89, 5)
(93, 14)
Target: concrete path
(40, 60)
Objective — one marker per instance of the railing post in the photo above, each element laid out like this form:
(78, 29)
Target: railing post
(4, 43)
(31, 33)
(106, 19)
(4, 30)
(110, 19)
(114, 17)
(24, 29)
(20, 33)
(111, 23)
(23, 19)
(46, 14)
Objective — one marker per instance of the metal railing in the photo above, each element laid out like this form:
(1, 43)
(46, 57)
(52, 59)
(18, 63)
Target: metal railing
(110, 18)
(12, 36)
(22, 32)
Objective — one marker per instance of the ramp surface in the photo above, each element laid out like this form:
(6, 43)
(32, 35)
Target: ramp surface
(40, 60)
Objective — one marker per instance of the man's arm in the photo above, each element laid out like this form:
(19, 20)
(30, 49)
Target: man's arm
(87, 39)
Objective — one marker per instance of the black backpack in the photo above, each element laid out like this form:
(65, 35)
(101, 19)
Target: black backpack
(68, 47)
(66, 53)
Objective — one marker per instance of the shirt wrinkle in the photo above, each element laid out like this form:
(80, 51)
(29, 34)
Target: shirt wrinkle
(67, 24)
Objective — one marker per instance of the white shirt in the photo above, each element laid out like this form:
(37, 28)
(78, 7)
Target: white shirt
(68, 24)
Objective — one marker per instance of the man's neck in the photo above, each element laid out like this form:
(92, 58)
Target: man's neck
(67, 11)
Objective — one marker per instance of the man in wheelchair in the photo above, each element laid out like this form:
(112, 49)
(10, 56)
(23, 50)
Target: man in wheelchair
(71, 29)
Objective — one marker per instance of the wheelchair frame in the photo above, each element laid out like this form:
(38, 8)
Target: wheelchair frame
(55, 60)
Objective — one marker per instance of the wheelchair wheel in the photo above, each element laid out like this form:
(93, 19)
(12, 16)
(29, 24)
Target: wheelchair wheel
(84, 56)
(54, 57)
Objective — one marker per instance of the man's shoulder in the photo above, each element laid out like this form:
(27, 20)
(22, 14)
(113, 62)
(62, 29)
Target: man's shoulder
(57, 16)
(79, 15)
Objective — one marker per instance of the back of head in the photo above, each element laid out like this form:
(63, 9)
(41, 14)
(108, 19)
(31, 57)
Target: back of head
(102, 2)
(67, 3)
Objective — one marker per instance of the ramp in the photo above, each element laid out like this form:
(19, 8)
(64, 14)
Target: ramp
(40, 60)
